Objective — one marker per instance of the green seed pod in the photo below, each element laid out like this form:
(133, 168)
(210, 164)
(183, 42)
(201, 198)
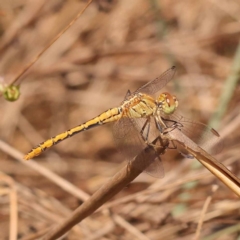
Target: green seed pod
(11, 93)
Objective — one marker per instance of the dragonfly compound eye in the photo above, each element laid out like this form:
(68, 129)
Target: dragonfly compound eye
(168, 103)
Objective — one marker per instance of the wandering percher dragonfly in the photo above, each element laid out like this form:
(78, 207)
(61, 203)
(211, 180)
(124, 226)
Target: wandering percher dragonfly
(133, 119)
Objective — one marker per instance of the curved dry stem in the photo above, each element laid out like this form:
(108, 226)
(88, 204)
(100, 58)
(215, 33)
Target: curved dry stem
(106, 192)
(64, 184)
(208, 161)
(20, 74)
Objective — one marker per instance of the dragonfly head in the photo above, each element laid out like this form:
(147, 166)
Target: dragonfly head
(168, 103)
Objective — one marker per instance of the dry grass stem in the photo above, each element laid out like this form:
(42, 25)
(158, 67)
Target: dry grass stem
(204, 210)
(208, 161)
(20, 74)
(104, 194)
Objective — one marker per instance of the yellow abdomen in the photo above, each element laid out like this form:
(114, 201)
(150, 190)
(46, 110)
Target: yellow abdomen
(110, 115)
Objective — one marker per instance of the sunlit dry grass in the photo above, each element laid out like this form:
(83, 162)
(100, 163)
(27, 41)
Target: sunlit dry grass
(114, 46)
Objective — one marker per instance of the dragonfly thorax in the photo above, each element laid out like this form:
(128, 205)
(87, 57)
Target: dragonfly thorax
(167, 103)
(139, 106)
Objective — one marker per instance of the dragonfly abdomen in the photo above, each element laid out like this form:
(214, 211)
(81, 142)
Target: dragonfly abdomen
(110, 115)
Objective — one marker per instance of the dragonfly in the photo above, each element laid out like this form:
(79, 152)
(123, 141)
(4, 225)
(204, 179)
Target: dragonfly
(135, 120)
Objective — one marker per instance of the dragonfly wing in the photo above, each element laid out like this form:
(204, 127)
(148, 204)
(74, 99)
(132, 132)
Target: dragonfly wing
(126, 132)
(158, 83)
(155, 169)
(127, 138)
(128, 94)
(206, 137)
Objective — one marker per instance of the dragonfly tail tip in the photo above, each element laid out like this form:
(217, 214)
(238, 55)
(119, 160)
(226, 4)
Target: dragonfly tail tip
(26, 157)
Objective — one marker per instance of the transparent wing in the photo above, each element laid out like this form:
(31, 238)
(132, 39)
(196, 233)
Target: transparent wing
(127, 135)
(127, 138)
(155, 169)
(158, 83)
(204, 136)
(128, 95)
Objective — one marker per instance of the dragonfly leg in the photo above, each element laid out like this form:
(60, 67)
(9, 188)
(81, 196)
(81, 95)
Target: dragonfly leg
(158, 141)
(158, 125)
(145, 138)
(146, 124)
(179, 126)
(165, 130)
(174, 125)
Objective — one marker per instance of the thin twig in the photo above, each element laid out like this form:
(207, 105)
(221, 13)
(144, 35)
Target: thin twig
(13, 228)
(64, 184)
(130, 228)
(14, 214)
(49, 45)
(204, 210)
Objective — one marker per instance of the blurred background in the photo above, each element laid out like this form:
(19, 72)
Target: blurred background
(113, 47)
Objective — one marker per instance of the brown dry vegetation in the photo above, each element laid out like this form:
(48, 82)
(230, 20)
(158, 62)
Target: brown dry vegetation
(114, 46)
